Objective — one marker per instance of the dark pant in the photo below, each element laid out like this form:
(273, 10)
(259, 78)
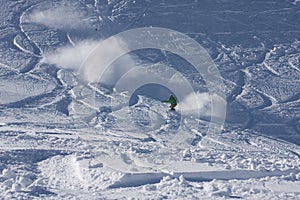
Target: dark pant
(172, 106)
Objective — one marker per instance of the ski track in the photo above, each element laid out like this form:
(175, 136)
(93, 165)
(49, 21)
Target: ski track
(271, 69)
(35, 45)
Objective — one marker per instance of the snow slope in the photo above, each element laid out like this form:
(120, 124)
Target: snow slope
(66, 136)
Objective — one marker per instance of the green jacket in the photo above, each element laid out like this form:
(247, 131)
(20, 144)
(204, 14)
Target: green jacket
(171, 100)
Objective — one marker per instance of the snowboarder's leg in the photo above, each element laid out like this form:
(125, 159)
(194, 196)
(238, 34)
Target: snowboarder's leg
(172, 106)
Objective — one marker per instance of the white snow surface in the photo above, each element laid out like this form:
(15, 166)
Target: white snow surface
(67, 137)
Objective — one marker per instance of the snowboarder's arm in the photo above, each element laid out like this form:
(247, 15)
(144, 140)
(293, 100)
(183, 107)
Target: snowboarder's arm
(166, 101)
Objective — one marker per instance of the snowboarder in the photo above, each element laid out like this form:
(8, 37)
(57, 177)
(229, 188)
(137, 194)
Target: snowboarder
(173, 102)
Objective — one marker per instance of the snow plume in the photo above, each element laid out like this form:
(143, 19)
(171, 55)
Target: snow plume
(65, 17)
(98, 65)
(203, 102)
(72, 57)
